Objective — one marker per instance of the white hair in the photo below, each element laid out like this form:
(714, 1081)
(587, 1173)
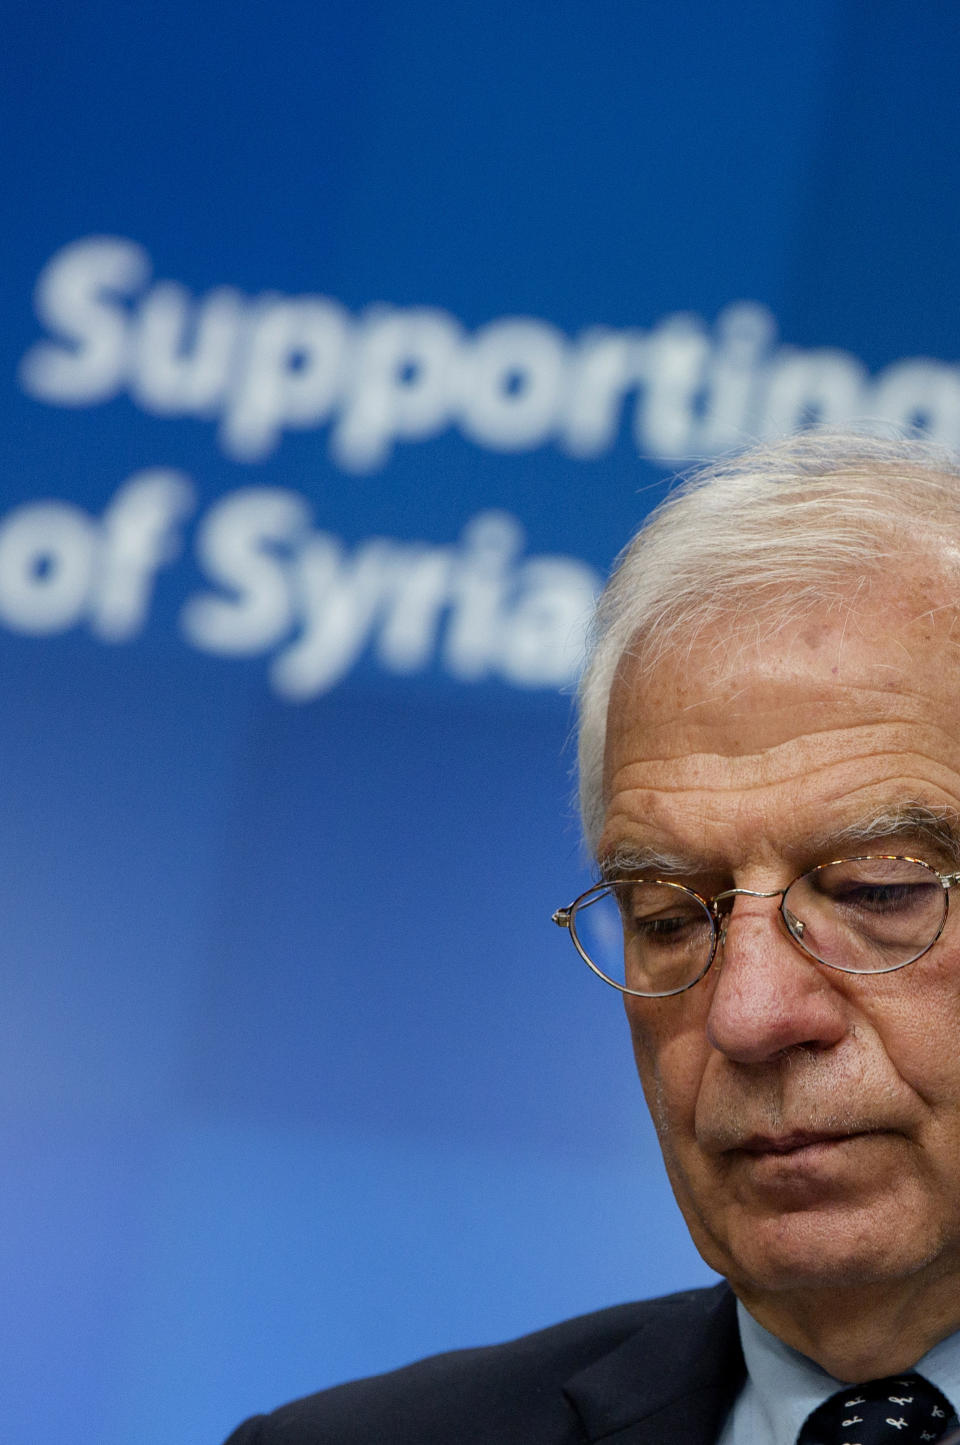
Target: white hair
(776, 532)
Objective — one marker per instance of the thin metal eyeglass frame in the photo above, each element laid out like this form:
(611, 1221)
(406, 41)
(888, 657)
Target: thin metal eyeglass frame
(566, 918)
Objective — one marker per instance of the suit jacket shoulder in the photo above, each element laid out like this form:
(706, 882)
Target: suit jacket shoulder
(637, 1374)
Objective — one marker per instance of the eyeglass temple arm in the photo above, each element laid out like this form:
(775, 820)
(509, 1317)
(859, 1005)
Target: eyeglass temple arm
(562, 916)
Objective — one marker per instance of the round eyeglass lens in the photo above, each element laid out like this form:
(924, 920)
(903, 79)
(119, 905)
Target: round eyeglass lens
(646, 938)
(866, 915)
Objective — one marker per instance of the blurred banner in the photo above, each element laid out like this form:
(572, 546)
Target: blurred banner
(344, 346)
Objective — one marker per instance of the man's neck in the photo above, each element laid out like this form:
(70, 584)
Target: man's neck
(863, 1332)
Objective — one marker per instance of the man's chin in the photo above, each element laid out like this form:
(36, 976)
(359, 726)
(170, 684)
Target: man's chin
(796, 1273)
(833, 1247)
(802, 1255)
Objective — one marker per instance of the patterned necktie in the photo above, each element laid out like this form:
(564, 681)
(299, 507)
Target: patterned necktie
(900, 1410)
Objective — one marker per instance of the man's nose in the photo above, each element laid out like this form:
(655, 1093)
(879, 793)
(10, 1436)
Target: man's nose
(769, 996)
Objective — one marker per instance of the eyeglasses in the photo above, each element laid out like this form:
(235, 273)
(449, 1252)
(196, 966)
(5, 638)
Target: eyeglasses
(653, 938)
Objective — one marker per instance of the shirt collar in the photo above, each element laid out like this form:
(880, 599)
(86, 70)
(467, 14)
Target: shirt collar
(785, 1386)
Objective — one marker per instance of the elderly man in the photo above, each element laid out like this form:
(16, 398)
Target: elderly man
(770, 771)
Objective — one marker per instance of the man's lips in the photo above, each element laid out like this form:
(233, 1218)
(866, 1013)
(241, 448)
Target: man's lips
(754, 1134)
(801, 1167)
(795, 1140)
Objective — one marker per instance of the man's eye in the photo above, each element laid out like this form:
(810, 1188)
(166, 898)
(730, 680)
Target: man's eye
(884, 897)
(662, 930)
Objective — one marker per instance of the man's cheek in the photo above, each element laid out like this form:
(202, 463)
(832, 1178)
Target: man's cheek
(646, 1056)
(669, 1075)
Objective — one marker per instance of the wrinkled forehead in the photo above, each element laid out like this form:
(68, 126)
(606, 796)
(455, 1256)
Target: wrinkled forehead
(887, 653)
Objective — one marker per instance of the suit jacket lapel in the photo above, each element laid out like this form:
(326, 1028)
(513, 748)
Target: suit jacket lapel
(672, 1381)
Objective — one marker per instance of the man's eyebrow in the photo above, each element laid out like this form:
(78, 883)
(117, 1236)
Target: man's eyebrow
(912, 818)
(630, 858)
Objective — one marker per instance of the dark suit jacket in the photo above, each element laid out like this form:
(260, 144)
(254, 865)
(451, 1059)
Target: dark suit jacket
(660, 1373)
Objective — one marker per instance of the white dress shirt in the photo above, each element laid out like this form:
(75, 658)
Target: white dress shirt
(783, 1386)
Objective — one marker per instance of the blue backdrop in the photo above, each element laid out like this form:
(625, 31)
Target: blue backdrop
(343, 346)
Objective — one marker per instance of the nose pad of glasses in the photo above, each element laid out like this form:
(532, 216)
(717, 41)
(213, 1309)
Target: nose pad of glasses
(795, 927)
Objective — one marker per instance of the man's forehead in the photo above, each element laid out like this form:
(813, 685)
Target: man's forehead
(879, 640)
(837, 726)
